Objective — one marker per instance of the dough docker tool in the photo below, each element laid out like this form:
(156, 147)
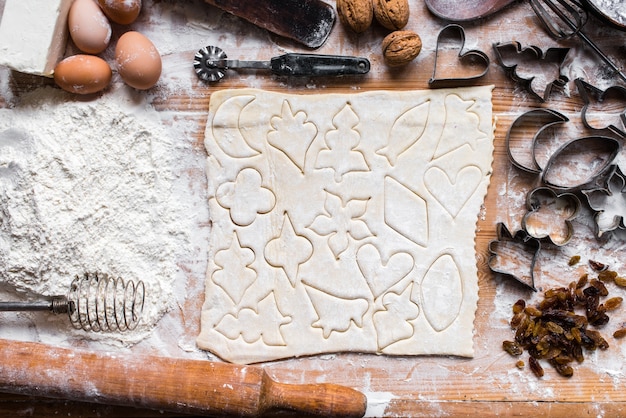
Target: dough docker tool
(211, 63)
(94, 302)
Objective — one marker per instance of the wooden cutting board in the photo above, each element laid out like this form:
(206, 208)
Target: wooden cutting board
(487, 385)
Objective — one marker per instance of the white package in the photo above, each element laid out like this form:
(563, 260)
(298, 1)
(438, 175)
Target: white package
(33, 35)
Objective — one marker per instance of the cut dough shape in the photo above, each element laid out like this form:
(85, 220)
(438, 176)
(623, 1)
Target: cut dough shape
(333, 263)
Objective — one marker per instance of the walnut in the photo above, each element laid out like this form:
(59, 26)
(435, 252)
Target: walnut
(392, 14)
(356, 14)
(401, 47)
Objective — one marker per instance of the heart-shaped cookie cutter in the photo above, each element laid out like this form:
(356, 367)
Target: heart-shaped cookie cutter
(455, 33)
(589, 92)
(556, 55)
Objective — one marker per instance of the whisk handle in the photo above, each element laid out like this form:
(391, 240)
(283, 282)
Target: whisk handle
(601, 54)
(57, 304)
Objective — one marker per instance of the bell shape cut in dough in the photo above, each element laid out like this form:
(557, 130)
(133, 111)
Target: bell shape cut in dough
(349, 226)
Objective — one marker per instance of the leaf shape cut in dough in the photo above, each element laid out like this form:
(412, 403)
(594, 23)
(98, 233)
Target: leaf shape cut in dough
(227, 130)
(335, 313)
(405, 132)
(341, 154)
(454, 193)
(264, 323)
(442, 292)
(392, 322)
(382, 275)
(288, 250)
(234, 275)
(292, 134)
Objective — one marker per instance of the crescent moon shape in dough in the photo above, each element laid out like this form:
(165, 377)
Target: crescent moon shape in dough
(226, 127)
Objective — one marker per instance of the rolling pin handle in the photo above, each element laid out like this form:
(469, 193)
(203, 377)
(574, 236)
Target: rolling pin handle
(323, 399)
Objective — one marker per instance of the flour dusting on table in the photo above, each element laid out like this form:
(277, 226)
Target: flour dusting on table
(88, 186)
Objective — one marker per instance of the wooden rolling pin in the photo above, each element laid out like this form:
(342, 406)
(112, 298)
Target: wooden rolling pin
(306, 21)
(168, 384)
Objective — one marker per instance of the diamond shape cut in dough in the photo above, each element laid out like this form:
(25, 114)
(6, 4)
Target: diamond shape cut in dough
(359, 234)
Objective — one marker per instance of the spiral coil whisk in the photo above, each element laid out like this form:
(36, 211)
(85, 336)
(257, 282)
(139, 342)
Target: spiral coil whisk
(99, 302)
(564, 19)
(95, 302)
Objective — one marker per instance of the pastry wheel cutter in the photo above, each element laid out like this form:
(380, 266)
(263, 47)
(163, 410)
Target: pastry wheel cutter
(210, 64)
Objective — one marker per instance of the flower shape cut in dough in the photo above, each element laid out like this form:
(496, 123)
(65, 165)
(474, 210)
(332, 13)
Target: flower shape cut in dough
(342, 222)
(245, 197)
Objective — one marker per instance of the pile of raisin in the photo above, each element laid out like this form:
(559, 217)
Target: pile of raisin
(553, 331)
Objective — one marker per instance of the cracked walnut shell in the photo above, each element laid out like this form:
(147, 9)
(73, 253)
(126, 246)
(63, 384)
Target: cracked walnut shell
(392, 14)
(401, 47)
(356, 14)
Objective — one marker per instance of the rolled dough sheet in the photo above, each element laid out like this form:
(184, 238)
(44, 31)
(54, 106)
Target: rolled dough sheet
(344, 222)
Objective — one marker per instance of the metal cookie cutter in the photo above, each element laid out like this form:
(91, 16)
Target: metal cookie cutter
(210, 64)
(610, 96)
(453, 36)
(513, 57)
(580, 162)
(514, 256)
(609, 203)
(550, 215)
(530, 124)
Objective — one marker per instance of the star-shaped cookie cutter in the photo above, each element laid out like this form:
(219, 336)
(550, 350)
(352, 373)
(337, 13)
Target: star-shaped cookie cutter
(557, 55)
(506, 255)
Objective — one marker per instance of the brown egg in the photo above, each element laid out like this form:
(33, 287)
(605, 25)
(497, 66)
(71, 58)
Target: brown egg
(123, 12)
(82, 74)
(89, 28)
(138, 61)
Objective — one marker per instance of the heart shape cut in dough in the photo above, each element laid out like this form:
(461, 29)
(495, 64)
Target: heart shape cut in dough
(470, 65)
(379, 275)
(453, 194)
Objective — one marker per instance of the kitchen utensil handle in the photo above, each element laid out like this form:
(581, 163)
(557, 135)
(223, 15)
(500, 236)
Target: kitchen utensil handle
(170, 384)
(323, 399)
(318, 65)
(601, 54)
(57, 304)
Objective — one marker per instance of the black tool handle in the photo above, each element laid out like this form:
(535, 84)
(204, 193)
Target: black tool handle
(57, 304)
(318, 65)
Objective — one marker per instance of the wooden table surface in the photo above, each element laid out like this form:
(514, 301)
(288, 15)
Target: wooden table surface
(488, 384)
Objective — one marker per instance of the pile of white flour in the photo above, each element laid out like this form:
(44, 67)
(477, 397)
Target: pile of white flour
(90, 186)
